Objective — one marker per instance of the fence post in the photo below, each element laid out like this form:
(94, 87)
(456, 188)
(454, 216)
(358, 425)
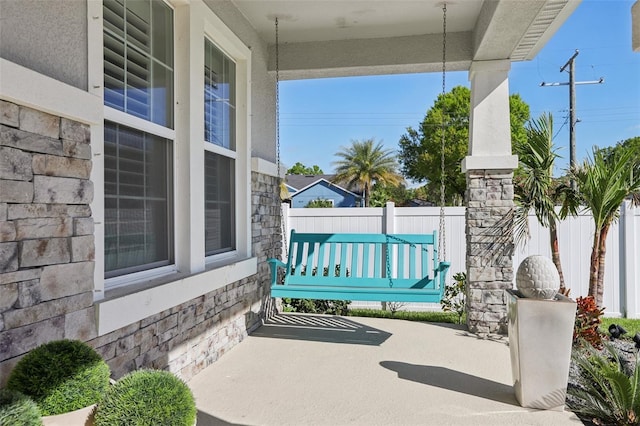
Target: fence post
(286, 229)
(389, 218)
(628, 259)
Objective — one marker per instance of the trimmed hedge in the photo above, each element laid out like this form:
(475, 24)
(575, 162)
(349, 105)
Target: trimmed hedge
(18, 409)
(147, 398)
(61, 376)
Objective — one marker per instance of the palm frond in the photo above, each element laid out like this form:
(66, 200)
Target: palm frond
(606, 391)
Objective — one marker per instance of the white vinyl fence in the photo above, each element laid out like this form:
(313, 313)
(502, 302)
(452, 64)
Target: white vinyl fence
(575, 234)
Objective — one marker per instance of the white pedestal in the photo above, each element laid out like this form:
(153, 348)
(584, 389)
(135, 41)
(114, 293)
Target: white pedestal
(540, 339)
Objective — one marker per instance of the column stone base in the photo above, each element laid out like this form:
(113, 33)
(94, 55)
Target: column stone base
(489, 230)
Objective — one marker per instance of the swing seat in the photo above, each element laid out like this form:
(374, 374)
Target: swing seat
(366, 267)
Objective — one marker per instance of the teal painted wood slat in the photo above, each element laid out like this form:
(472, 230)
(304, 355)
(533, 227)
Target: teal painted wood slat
(321, 250)
(424, 262)
(299, 259)
(399, 248)
(354, 260)
(365, 260)
(412, 261)
(343, 259)
(332, 256)
(309, 257)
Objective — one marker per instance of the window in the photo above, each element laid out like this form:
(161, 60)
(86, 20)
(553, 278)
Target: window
(137, 200)
(219, 204)
(220, 143)
(138, 59)
(138, 136)
(219, 97)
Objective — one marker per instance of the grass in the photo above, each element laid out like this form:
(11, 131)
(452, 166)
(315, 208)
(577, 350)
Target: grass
(631, 325)
(449, 317)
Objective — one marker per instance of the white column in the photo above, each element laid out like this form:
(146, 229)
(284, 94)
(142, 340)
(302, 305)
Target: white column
(188, 146)
(489, 221)
(629, 253)
(489, 127)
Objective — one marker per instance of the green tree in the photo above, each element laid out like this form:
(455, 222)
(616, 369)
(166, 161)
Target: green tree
(604, 181)
(364, 163)
(632, 144)
(319, 203)
(535, 188)
(421, 148)
(301, 169)
(382, 193)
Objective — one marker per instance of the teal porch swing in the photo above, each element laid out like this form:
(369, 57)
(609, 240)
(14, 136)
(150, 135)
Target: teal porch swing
(363, 267)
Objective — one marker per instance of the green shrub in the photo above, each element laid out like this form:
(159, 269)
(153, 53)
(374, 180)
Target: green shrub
(319, 203)
(314, 306)
(18, 409)
(587, 321)
(61, 376)
(454, 297)
(608, 391)
(446, 317)
(147, 398)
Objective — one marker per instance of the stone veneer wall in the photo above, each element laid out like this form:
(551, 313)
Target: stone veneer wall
(489, 230)
(47, 250)
(46, 231)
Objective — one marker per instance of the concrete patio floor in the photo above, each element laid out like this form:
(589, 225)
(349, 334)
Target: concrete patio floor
(325, 370)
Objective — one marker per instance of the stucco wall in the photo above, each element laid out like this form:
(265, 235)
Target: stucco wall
(49, 40)
(262, 83)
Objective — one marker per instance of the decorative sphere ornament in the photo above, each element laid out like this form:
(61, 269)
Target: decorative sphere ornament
(538, 278)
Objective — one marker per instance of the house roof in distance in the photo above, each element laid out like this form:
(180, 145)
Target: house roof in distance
(302, 182)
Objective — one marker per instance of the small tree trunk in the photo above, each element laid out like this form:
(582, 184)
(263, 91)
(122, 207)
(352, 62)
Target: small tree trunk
(593, 266)
(366, 195)
(602, 251)
(555, 253)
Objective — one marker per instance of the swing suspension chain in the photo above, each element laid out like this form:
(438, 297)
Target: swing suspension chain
(388, 248)
(442, 247)
(278, 162)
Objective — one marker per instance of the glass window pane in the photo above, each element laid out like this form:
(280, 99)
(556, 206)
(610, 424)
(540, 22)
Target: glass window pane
(114, 16)
(138, 24)
(219, 222)
(161, 101)
(138, 59)
(114, 78)
(138, 224)
(162, 39)
(219, 97)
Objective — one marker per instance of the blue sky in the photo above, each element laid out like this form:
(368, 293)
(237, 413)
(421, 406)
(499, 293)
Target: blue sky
(318, 117)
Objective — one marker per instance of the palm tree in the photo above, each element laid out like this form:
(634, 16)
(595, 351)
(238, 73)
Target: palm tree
(604, 181)
(362, 164)
(535, 187)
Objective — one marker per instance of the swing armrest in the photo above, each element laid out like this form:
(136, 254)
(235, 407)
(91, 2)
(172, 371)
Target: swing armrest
(441, 274)
(275, 264)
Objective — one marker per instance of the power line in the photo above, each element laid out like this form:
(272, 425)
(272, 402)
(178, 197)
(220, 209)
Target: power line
(572, 105)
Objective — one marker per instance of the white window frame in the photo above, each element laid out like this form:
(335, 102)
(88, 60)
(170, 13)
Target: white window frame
(146, 293)
(147, 126)
(212, 260)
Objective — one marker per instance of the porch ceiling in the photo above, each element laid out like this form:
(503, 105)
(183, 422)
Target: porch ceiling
(321, 38)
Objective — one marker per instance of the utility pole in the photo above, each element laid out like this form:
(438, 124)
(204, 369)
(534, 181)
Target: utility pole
(572, 105)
